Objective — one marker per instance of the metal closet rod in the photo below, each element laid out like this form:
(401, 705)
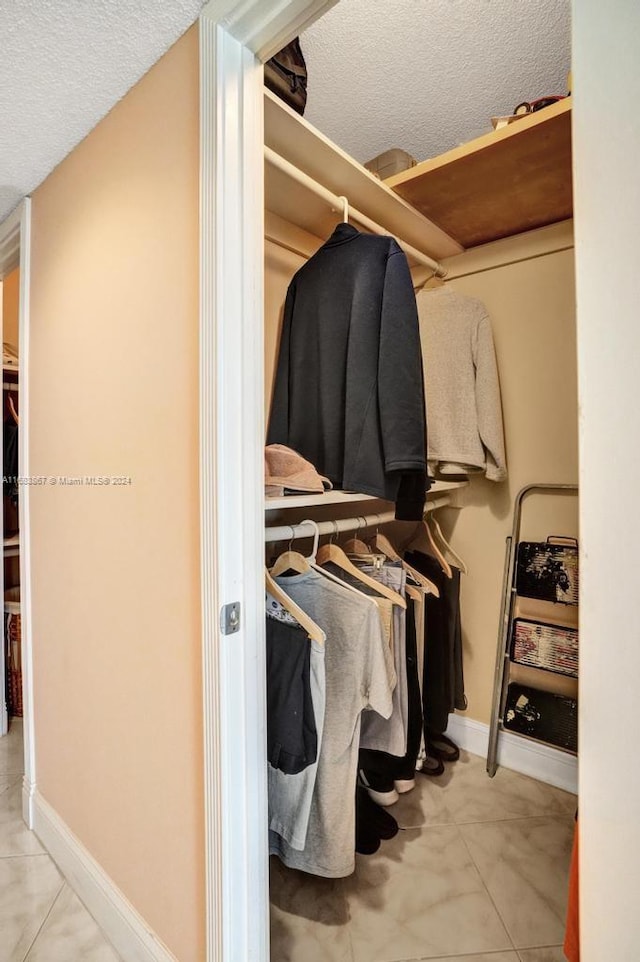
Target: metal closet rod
(338, 203)
(289, 532)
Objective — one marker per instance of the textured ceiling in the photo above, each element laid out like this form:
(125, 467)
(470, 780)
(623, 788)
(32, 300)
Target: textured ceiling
(427, 75)
(419, 74)
(63, 65)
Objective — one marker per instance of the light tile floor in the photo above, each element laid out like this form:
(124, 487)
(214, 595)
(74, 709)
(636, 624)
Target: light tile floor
(478, 873)
(41, 920)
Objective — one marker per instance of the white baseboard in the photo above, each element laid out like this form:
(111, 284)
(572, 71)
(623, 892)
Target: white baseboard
(28, 797)
(118, 919)
(531, 758)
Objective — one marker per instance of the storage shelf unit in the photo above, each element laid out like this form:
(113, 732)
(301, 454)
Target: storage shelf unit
(503, 183)
(295, 139)
(346, 497)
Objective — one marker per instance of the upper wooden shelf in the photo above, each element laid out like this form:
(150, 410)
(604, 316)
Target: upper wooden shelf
(310, 151)
(503, 183)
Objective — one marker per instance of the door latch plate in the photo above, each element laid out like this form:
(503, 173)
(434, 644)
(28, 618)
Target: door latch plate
(230, 618)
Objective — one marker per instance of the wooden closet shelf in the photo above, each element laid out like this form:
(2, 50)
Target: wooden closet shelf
(503, 183)
(347, 497)
(295, 139)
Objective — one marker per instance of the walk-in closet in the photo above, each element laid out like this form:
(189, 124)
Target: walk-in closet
(450, 837)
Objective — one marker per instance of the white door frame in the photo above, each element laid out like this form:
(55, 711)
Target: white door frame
(236, 36)
(15, 250)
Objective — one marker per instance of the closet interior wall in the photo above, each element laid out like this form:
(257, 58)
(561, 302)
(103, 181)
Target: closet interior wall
(532, 308)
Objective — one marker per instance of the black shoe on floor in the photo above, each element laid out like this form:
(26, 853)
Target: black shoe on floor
(431, 766)
(380, 789)
(442, 747)
(370, 815)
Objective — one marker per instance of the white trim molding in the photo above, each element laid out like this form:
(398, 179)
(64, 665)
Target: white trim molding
(15, 251)
(232, 443)
(547, 764)
(265, 26)
(235, 36)
(115, 915)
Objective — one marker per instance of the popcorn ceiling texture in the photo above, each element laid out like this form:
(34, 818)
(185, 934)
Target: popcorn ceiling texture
(63, 65)
(424, 75)
(427, 75)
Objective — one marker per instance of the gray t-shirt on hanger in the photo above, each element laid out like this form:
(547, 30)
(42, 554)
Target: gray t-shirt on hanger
(390, 734)
(386, 734)
(359, 674)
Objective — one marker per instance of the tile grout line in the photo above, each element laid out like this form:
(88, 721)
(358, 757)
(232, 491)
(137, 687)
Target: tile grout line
(43, 923)
(486, 888)
(514, 818)
(26, 855)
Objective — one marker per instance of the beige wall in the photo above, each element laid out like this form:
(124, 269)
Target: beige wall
(116, 616)
(10, 307)
(532, 307)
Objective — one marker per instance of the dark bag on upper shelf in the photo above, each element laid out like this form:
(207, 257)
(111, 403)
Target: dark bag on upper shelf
(286, 75)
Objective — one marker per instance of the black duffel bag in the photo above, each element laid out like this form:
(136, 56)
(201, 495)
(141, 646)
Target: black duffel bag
(286, 75)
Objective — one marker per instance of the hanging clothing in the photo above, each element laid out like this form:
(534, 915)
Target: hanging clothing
(463, 391)
(443, 680)
(381, 734)
(349, 393)
(359, 674)
(10, 459)
(290, 795)
(292, 739)
(385, 765)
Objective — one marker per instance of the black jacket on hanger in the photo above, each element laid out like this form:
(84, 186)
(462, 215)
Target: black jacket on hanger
(349, 393)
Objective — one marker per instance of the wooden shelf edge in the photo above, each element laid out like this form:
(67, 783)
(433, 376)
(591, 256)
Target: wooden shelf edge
(479, 144)
(347, 497)
(311, 151)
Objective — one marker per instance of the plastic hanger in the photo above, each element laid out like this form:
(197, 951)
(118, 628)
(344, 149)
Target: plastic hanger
(314, 631)
(294, 561)
(335, 554)
(455, 557)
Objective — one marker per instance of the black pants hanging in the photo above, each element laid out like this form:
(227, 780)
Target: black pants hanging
(443, 683)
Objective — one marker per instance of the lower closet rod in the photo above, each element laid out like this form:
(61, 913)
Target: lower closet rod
(288, 532)
(336, 203)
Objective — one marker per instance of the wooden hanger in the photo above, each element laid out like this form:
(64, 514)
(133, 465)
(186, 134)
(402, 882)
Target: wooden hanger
(314, 631)
(290, 561)
(414, 593)
(435, 551)
(355, 546)
(334, 554)
(382, 543)
(455, 557)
